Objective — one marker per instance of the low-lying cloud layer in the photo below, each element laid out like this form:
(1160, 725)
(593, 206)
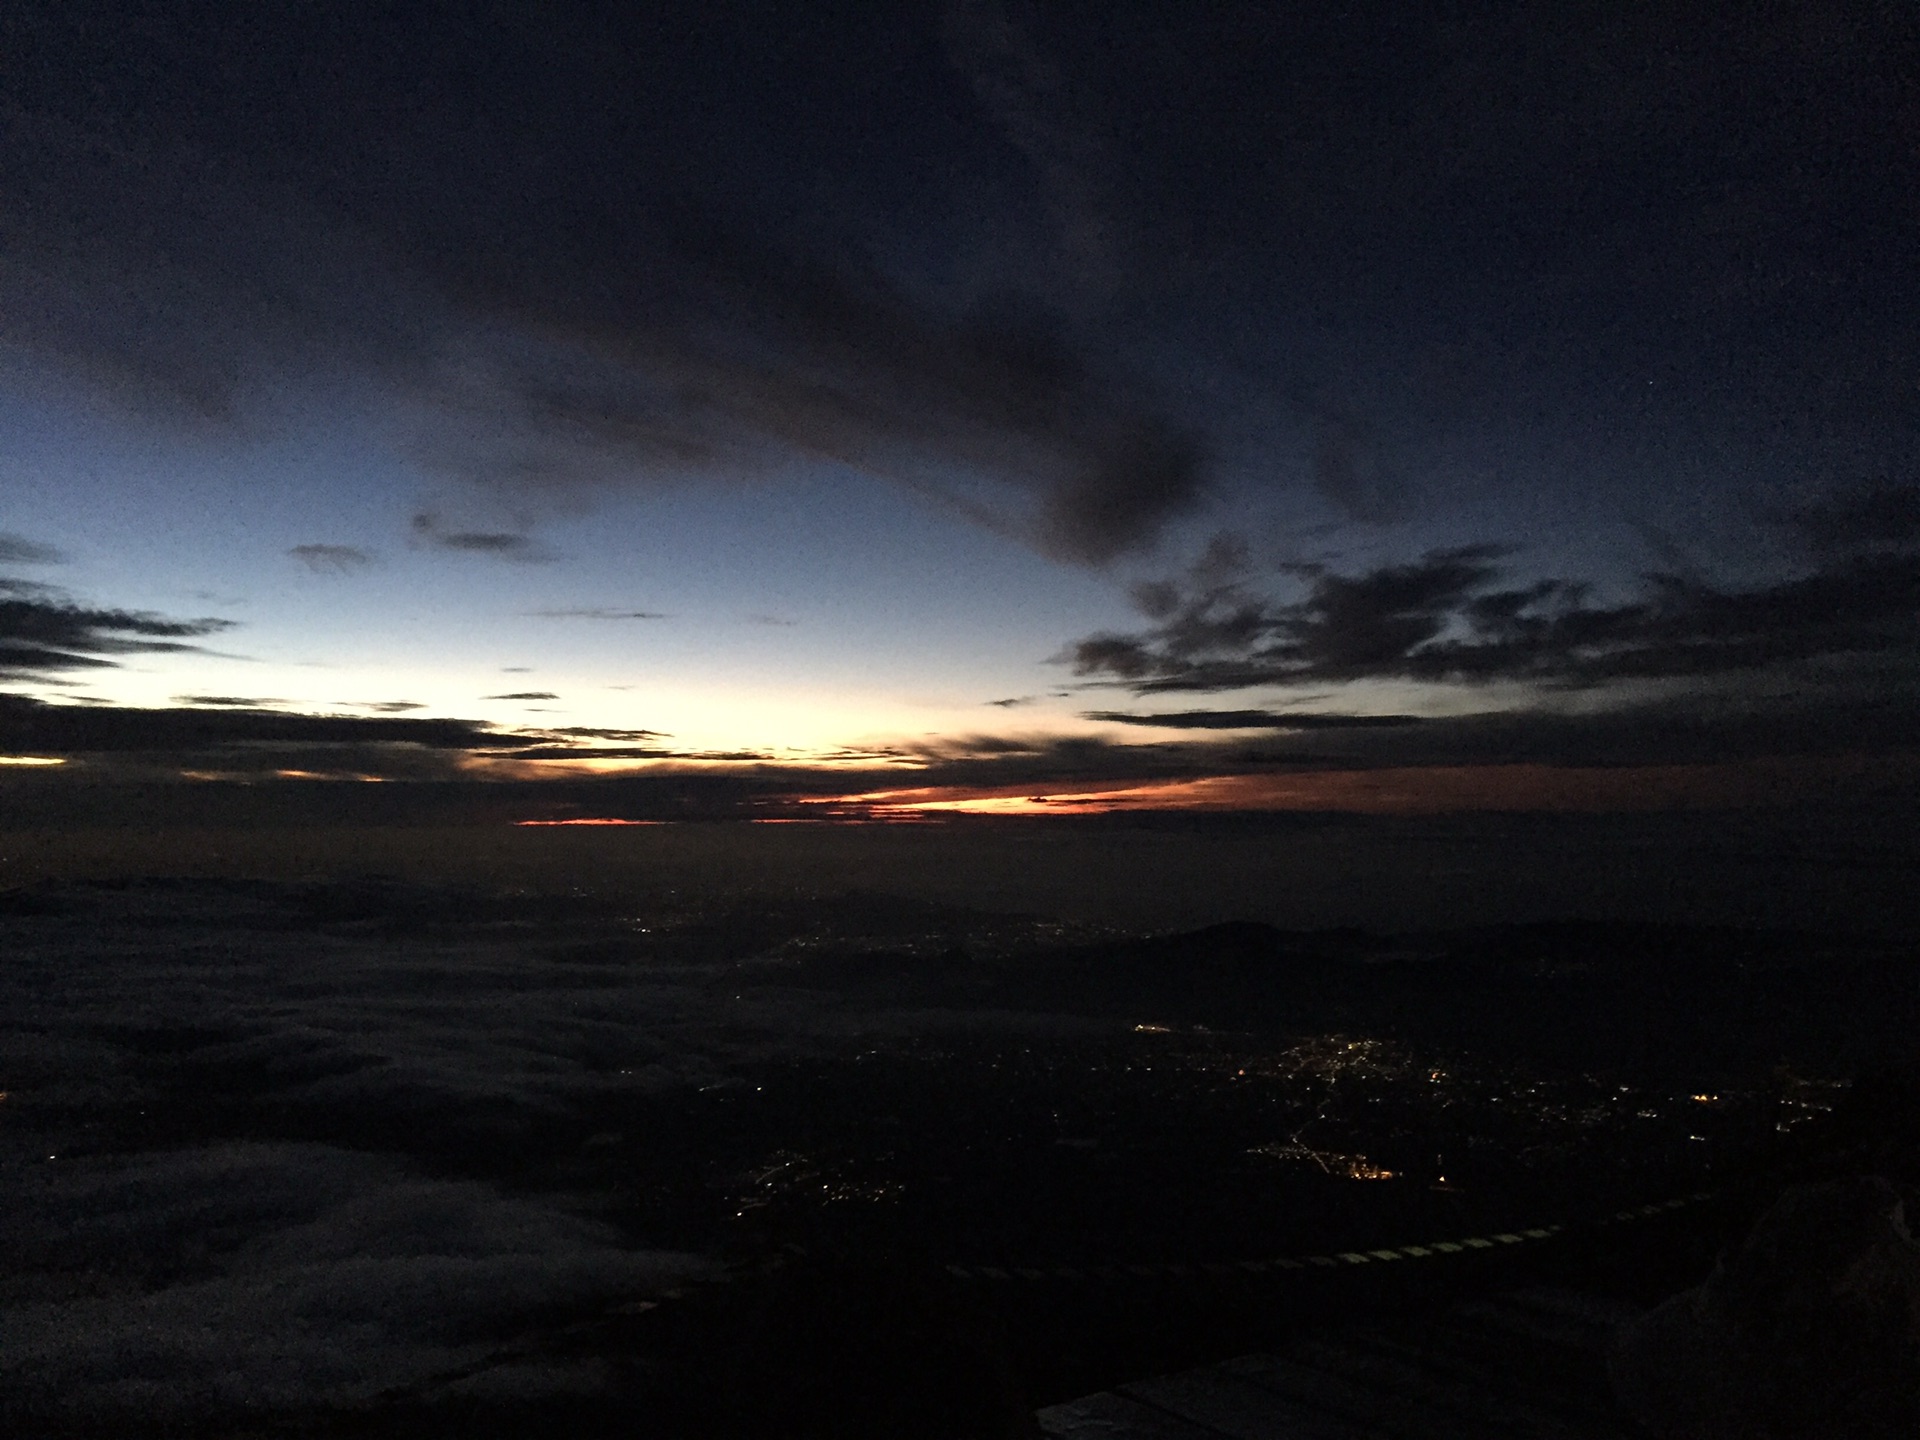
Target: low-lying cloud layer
(252, 1162)
(247, 1275)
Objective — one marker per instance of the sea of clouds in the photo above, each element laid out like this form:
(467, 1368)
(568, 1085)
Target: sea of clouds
(251, 1156)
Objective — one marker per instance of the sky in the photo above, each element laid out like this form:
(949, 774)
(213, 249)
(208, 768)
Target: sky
(878, 410)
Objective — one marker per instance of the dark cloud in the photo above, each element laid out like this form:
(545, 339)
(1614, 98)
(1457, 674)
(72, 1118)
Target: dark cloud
(1046, 759)
(849, 367)
(42, 632)
(1452, 616)
(1252, 720)
(1669, 732)
(391, 707)
(18, 550)
(429, 529)
(737, 351)
(230, 737)
(524, 695)
(591, 732)
(178, 262)
(853, 369)
(1882, 516)
(231, 702)
(331, 559)
(1144, 478)
(1680, 731)
(575, 751)
(1011, 701)
(34, 727)
(595, 612)
(1459, 221)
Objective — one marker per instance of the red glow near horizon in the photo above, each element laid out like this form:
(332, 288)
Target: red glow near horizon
(1409, 790)
(593, 820)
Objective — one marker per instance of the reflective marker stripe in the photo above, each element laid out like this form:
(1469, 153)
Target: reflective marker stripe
(1218, 1268)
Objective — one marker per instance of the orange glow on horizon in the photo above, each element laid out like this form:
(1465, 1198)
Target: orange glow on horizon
(1408, 790)
(483, 766)
(593, 820)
